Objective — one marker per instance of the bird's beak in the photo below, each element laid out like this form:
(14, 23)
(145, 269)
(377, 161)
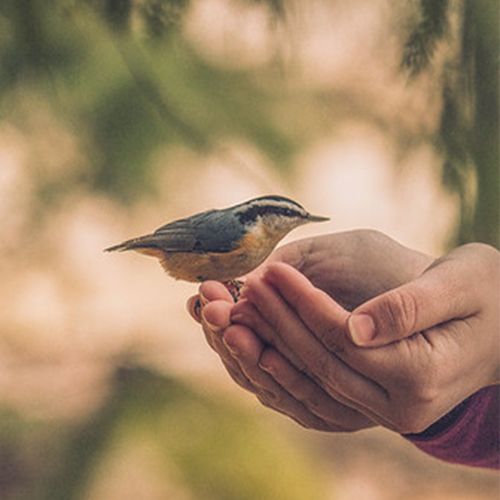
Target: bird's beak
(317, 218)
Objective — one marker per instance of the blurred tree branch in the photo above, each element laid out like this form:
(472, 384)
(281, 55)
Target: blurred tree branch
(178, 97)
(482, 48)
(470, 125)
(422, 40)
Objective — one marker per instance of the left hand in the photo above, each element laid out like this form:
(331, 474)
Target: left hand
(240, 351)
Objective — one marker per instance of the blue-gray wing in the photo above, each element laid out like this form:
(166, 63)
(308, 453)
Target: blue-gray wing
(211, 231)
(177, 236)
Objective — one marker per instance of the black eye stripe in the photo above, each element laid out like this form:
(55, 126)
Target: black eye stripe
(251, 214)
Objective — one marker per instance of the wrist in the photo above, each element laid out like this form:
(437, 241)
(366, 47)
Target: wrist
(442, 425)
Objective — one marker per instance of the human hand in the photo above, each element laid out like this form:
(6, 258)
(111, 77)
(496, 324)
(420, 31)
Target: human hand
(352, 267)
(240, 349)
(442, 328)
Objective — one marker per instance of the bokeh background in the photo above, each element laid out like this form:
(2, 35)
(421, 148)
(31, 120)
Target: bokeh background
(119, 115)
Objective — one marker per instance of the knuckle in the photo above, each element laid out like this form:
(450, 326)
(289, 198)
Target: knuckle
(426, 394)
(417, 411)
(323, 367)
(423, 392)
(270, 399)
(312, 402)
(263, 400)
(399, 313)
(332, 339)
(238, 377)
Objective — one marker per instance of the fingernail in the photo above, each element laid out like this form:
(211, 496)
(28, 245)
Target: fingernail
(237, 318)
(268, 369)
(264, 366)
(203, 300)
(194, 308)
(361, 328)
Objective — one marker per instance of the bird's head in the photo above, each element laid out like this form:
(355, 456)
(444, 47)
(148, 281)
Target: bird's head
(276, 215)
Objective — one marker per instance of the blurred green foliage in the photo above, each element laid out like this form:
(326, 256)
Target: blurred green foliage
(217, 450)
(121, 76)
(469, 133)
(127, 92)
(483, 46)
(220, 451)
(421, 42)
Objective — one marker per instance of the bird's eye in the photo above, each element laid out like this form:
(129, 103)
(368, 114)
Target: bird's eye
(289, 212)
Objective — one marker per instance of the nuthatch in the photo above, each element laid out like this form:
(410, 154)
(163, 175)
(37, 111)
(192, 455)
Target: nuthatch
(222, 244)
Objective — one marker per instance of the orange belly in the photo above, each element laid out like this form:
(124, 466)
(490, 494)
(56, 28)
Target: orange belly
(225, 266)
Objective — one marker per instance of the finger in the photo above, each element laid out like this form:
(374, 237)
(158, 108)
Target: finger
(213, 317)
(214, 340)
(245, 351)
(246, 348)
(325, 317)
(213, 290)
(216, 314)
(371, 400)
(440, 294)
(311, 395)
(212, 308)
(336, 377)
(246, 314)
(208, 291)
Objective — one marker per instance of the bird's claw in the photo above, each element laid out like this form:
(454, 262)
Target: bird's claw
(234, 288)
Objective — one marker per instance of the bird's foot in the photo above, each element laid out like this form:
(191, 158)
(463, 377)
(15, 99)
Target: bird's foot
(234, 288)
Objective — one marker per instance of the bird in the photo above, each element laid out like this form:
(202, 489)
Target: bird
(222, 244)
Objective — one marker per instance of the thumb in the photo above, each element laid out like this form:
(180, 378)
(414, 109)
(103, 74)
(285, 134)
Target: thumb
(440, 294)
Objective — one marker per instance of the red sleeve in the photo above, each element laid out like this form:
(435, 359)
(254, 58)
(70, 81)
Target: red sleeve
(468, 435)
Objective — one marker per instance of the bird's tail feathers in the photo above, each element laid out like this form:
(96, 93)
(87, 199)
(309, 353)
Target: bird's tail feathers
(145, 243)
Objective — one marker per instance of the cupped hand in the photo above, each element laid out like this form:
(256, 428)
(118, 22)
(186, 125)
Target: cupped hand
(351, 267)
(240, 350)
(441, 328)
